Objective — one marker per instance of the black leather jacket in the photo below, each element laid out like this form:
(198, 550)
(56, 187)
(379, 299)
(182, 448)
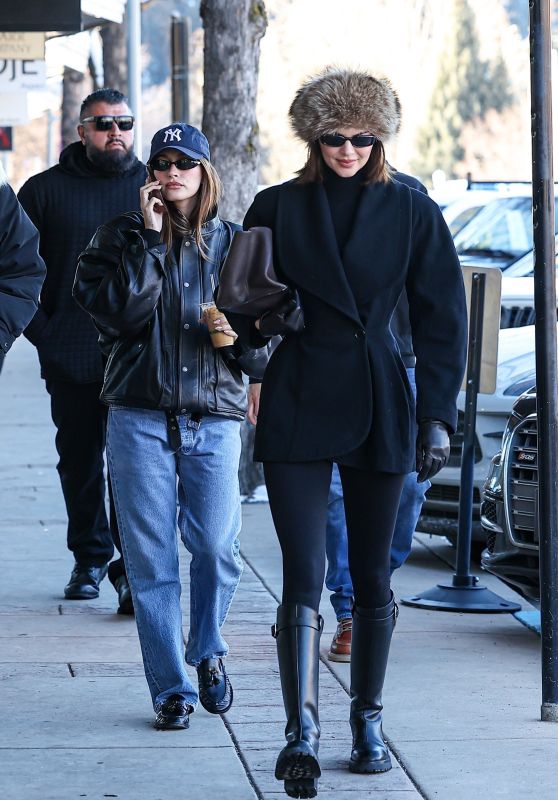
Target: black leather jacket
(147, 309)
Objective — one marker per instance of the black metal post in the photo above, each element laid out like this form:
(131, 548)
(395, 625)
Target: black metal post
(463, 575)
(180, 34)
(545, 343)
(464, 593)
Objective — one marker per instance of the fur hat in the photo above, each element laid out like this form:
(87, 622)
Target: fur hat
(340, 98)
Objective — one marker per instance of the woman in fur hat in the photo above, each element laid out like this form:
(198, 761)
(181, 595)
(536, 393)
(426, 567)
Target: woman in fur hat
(348, 239)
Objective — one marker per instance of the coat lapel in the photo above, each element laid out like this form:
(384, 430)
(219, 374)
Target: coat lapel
(308, 250)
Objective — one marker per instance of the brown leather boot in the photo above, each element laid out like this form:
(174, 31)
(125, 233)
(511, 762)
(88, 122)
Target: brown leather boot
(340, 649)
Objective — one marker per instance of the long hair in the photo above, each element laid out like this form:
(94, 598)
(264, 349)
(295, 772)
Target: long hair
(175, 223)
(377, 170)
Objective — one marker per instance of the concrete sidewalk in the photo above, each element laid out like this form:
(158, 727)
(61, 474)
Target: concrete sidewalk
(461, 702)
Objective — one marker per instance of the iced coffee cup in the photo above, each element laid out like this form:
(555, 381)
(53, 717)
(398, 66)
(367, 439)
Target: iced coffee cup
(218, 338)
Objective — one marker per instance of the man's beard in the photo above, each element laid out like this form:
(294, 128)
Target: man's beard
(114, 162)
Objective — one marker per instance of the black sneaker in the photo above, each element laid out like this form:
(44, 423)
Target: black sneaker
(173, 714)
(84, 582)
(216, 694)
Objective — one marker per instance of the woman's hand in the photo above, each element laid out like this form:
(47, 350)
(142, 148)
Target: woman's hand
(220, 323)
(254, 390)
(152, 206)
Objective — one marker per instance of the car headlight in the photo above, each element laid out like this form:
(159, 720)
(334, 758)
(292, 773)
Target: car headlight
(521, 385)
(493, 483)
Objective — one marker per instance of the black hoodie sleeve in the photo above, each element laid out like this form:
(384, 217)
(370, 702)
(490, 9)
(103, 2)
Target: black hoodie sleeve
(22, 270)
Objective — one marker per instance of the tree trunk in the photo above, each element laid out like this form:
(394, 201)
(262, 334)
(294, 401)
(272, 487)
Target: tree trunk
(115, 61)
(75, 88)
(232, 33)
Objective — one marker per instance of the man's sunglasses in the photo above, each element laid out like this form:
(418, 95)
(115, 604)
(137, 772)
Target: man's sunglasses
(104, 122)
(164, 164)
(359, 140)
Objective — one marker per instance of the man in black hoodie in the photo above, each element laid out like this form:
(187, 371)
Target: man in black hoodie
(22, 270)
(97, 178)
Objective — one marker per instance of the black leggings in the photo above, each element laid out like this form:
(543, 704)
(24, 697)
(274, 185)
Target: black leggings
(298, 494)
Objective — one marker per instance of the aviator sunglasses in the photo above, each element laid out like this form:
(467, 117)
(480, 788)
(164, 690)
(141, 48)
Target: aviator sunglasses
(164, 164)
(104, 122)
(358, 140)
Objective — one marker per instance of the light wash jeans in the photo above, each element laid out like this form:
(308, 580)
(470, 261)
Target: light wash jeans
(338, 577)
(149, 479)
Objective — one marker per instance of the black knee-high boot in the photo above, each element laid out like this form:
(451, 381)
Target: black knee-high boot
(297, 634)
(372, 631)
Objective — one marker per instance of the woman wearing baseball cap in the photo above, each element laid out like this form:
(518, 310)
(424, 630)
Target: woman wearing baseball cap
(176, 404)
(348, 238)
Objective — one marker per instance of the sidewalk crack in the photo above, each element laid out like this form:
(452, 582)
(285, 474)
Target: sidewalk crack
(241, 758)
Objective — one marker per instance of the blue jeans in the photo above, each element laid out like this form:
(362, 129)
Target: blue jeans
(149, 480)
(338, 577)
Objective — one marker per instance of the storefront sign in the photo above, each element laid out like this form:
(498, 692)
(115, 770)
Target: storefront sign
(22, 45)
(22, 76)
(13, 109)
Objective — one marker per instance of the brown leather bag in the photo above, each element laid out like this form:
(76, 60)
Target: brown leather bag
(248, 283)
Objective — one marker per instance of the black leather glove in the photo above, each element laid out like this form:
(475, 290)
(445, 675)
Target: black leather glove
(286, 318)
(433, 448)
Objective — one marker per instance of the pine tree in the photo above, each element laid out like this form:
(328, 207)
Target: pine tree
(466, 88)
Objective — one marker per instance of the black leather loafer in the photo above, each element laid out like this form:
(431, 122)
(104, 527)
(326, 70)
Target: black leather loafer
(173, 714)
(125, 604)
(84, 582)
(216, 694)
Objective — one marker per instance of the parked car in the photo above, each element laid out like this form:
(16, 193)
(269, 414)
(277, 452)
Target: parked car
(500, 234)
(461, 211)
(524, 267)
(515, 373)
(508, 509)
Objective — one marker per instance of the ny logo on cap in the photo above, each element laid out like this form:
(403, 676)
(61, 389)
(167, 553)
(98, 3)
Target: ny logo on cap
(172, 135)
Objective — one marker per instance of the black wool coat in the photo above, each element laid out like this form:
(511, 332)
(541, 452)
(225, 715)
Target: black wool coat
(342, 381)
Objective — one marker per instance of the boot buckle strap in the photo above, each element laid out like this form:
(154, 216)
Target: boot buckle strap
(275, 630)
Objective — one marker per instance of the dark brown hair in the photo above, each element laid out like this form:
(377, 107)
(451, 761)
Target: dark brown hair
(377, 170)
(207, 201)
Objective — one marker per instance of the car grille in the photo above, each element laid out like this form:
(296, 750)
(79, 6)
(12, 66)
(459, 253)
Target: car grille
(488, 510)
(517, 316)
(456, 444)
(490, 541)
(522, 483)
(448, 494)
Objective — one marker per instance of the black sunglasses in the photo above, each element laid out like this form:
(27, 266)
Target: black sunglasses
(104, 122)
(358, 140)
(164, 164)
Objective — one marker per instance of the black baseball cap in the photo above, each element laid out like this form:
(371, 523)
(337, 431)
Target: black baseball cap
(182, 137)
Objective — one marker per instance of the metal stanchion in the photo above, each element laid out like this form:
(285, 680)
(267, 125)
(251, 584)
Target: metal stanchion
(464, 593)
(545, 344)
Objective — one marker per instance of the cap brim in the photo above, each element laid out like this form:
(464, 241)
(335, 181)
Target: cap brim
(185, 150)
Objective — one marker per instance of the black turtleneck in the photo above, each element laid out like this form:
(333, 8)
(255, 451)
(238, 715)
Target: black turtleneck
(343, 195)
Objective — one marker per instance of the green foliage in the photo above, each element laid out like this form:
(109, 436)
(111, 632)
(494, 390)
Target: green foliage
(467, 87)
